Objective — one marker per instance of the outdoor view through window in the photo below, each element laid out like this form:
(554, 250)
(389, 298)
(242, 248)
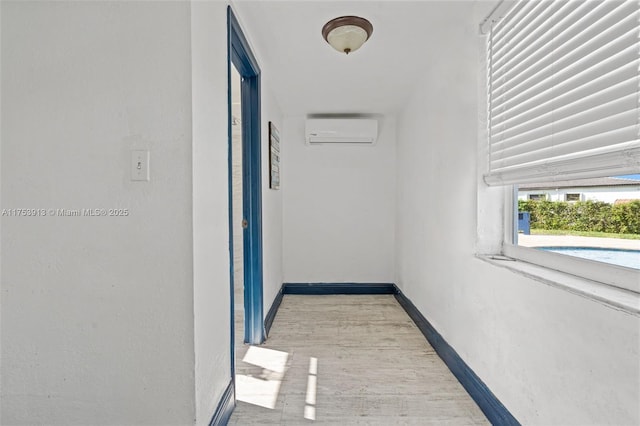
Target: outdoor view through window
(597, 219)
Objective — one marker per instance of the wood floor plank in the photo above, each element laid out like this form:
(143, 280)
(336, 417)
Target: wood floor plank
(347, 360)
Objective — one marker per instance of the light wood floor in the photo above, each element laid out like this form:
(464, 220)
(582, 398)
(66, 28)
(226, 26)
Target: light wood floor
(347, 360)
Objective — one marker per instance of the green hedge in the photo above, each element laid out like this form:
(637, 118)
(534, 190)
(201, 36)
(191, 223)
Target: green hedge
(597, 216)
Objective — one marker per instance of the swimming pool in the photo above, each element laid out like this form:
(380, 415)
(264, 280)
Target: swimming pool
(628, 258)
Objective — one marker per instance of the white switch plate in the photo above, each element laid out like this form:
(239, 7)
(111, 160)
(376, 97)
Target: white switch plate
(139, 165)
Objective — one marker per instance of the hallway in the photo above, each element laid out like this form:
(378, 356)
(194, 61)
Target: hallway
(397, 165)
(347, 360)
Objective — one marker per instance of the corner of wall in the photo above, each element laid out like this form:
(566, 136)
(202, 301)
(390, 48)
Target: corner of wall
(211, 272)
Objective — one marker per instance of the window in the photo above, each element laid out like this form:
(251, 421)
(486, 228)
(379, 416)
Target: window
(605, 227)
(563, 105)
(537, 196)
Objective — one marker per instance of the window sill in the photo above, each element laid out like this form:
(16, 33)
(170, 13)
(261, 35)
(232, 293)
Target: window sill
(614, 297)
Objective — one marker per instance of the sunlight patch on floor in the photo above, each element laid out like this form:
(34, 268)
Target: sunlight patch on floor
(261, 385)
(312, 384)
(256, 391)
(268, 359)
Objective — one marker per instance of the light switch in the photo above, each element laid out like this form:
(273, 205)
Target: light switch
(140, 165)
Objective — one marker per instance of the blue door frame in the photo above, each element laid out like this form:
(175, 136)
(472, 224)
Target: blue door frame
(239, 54)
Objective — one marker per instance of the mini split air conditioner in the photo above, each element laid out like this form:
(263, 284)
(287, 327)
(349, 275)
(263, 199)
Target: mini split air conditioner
(361, 131)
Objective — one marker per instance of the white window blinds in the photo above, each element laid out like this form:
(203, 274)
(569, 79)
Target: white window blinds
(564, 87)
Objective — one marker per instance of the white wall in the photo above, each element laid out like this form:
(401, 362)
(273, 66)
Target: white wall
(97, 312)
(550, 356)
(271, 202)
(338, 208)
(211, 290)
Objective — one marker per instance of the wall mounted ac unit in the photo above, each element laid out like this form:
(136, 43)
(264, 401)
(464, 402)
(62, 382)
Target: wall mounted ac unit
(361, 131)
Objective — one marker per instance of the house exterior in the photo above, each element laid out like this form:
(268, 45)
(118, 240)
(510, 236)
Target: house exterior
(608, 190)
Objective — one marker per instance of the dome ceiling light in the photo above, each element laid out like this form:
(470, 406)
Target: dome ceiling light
(347, 33)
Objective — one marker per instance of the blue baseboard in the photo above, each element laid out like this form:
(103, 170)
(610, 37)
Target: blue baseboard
(481, 394)
(225, 407)
(268, 320)
(338, 288)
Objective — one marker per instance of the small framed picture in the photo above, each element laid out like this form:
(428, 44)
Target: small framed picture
(274, 157)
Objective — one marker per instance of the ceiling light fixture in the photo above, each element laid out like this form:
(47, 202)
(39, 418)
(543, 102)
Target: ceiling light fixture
(347, 33)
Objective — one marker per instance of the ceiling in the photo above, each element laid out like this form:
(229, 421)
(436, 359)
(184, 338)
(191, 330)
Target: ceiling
(307, 76)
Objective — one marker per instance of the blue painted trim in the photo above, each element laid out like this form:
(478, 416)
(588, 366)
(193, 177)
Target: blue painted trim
(339, 288)
(241, 54)
(225, 407)
(268, 320)
(481, 394)
(252, 206)
(247, 66)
